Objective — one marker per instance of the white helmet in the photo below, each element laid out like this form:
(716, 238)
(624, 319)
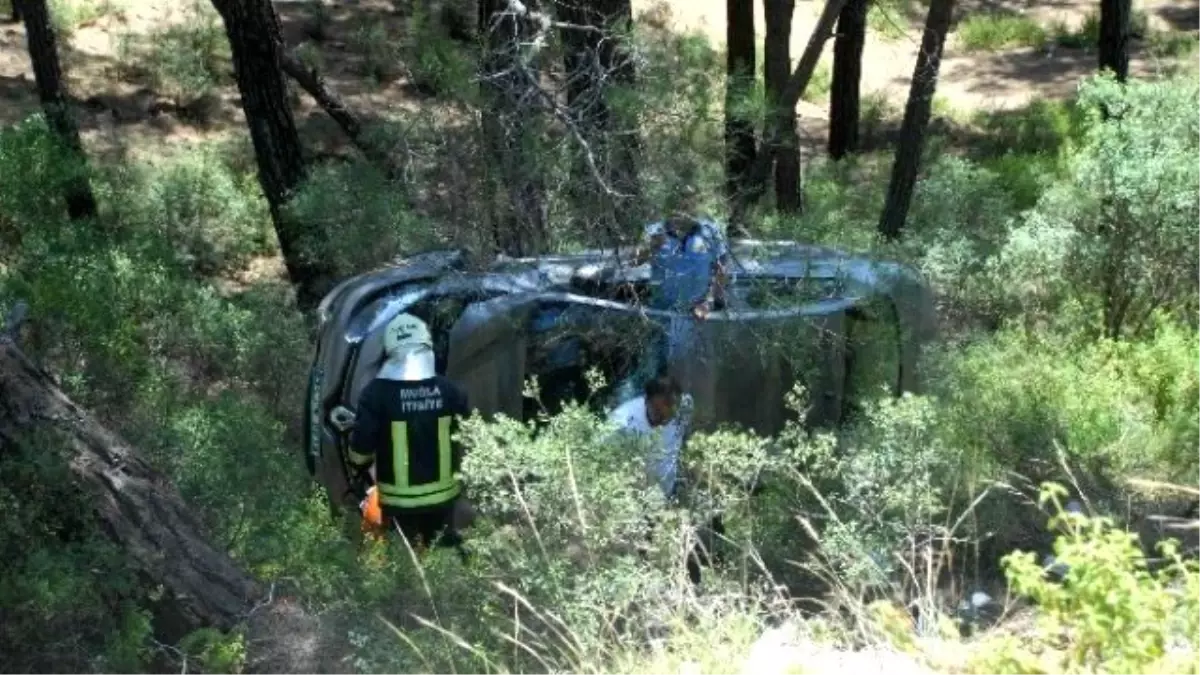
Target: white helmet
(408, 350)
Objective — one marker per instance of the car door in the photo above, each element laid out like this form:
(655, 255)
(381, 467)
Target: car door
(488, 353)
(750, 360)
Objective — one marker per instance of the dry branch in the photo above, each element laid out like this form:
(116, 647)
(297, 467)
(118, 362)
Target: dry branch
(311, 81)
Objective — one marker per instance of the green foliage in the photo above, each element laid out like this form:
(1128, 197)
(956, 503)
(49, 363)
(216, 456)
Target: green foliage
(210, 218)
(1112, 613)
(216, 652)
(1112, 409)
(29, 150)
(184, 61)
(368, 216)
(62, 578)
(996, 31)
(1123, 224)
(378, 51)
(1087, 34)
(1042, 126)
(435, 61)
(67, 16)
(889, 19)
(818, 87)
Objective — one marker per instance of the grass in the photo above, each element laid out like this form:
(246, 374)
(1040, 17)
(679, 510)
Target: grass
(887, 20)
(818, 87)
(995, 31)
(69, 15)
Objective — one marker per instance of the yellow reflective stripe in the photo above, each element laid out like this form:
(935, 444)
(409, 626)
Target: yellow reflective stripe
(401, 493)
(358, 459)
(439, 497)
(445, 458)
(400, 454)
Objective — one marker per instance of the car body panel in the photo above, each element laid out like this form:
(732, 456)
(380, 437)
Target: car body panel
(792, 308)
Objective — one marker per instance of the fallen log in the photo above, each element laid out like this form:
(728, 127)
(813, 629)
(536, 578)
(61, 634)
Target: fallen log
(142, 512)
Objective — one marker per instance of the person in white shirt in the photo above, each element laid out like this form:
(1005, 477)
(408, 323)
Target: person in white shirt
(658, 415)
(662, 415)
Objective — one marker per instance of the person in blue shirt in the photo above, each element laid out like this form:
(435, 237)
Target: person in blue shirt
(688, 264)
(688, 259)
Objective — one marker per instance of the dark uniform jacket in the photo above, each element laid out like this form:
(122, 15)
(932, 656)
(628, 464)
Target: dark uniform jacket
(405, 428)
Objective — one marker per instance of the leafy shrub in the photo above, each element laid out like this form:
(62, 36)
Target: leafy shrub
(995, 31)
(185, 61)
(211, 218)
(28, 149)
(1111, 613)
(368, 218)
(62, 577)
(1125, 219)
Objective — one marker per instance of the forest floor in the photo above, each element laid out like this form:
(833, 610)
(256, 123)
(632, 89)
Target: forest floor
(120, 106)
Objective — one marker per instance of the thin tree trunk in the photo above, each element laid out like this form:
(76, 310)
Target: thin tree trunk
(515, 180)
(916, 120)
(788, 99)
(847, 75)
(15, 9)
(311, 81)
(740, 143)
(43, 53)
(595, 56)
(1114, 37)
(777, 66)
(254, 39)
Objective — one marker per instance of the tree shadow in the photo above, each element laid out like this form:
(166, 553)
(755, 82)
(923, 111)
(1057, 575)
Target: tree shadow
(1185, 17)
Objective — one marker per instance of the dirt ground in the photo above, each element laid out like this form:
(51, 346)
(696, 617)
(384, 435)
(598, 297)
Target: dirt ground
(119, 113)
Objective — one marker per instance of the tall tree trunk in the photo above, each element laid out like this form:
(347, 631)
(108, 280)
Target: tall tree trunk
(43, 52)
(777, 66)
(518, 202)
(847, 75)
(916, 120)
(142, 512)
(739, 86)
(257, 47)
(788, 99)
(15, 11)
(1114, 37)
(595, 56)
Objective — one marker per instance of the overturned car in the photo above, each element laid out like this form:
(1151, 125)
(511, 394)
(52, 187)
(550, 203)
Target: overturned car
(846, 328)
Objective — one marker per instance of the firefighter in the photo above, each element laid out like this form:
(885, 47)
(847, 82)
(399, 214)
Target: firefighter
(404, 429)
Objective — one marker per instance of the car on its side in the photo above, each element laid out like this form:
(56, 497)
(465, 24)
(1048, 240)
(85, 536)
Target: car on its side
(847, 328)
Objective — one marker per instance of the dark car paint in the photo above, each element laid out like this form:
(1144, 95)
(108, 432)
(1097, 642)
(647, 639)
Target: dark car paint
(488, 343)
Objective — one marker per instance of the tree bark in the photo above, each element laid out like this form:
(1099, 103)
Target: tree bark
(515, 181)
(740, 69)
(916, 120)
(43, 53)
(142, 512)
(137, 506)
(254, 39)
(847, 75)
(788, 99)
(311, 81)
(1114, 37)
(777, 65)
(594, 56)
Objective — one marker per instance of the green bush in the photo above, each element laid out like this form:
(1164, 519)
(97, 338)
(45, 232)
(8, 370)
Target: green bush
(368, 218)
(189, 60)
(209, 217)
(995, 31)
(1111, 613)
(1124, 221)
